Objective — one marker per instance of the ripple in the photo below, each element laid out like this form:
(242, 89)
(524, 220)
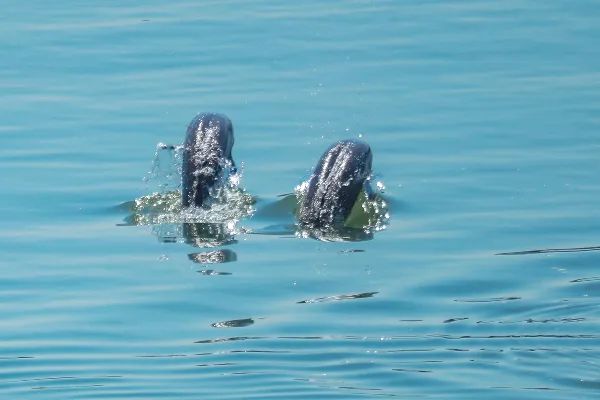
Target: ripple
(517, 336)
(450, 320)
(556, 250)
(514, 164)
(534, 321)
(17, 358)
(524, 388)
(62, 378)
(59, 387)
(229, 339)
(217, 364)
(590, 279)
(412, 370)
(338, 298)
(488, 300)
(234, 323)
(163, 356)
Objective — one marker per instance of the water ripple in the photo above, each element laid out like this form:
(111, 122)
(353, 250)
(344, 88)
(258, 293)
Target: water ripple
(557, 250)
(234, 323)
(338, 297)
(488, 300)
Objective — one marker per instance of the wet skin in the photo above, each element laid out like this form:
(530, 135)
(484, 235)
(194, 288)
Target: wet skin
(336, 183)
(207, 149)
(340, 176)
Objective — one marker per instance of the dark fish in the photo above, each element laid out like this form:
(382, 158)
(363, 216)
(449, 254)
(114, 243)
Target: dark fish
(333, 188)
(207, 149)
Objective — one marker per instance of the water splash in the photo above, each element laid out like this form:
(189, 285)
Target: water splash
(216, 223)
(208, 226)
(165, 173)
(369, 214)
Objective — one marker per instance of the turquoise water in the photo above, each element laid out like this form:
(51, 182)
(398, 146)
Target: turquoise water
(483, 121)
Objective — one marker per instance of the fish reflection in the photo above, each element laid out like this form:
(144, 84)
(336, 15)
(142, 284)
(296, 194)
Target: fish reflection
(201, 234)
(213, 257)
(211, 272)
(197, 234)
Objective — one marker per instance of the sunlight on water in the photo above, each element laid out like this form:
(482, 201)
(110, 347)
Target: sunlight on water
(214, 225)
(369, 214)
(468, 272)
(229, 201)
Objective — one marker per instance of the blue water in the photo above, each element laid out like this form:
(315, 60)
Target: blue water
(483, 121)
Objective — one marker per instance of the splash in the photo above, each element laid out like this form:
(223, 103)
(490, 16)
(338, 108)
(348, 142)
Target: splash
(369, 214)
(203, 226)
(165, 173)
(217, 223)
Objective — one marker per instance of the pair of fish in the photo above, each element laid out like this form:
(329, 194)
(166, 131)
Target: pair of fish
(339, 179)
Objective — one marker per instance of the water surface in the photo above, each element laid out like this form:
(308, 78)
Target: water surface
(483, 120)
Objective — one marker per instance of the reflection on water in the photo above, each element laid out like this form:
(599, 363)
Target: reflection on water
(213, 257)
(234, 323)
(490, 300)
(558, 250)
(200, 234)
(351, 251)
(216, 224)
(483, 120)
(197, 234)
(339, 297)
(452, 324)
(212, 272)
(334, 234)
(591, 279)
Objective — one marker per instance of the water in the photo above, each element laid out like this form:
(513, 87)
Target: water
(485, 132)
